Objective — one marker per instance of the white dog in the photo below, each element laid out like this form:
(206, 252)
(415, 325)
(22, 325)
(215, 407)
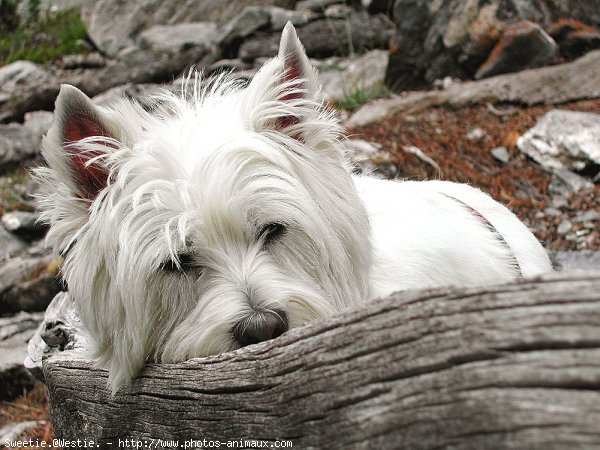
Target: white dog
(226, 216)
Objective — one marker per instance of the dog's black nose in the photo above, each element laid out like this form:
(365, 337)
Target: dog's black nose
(260, 326)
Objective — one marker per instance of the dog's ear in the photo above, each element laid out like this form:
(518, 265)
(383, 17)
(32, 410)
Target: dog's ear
(298, 73)
(80, 137)
(284, 94)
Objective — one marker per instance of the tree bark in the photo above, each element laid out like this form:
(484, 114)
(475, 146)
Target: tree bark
(514, 365)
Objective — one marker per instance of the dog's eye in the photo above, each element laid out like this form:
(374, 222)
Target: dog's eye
(184, 264)
(272, 231)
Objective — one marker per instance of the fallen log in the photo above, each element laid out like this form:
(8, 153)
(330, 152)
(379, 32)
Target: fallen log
(551, 85)
(514, 365)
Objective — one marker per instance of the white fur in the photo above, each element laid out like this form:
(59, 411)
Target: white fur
(423, 238)
(203, 173)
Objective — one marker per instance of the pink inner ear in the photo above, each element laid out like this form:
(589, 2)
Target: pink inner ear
(293, 72)
(92, 178)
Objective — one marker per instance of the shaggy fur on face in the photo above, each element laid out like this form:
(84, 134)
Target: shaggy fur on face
(179, 221)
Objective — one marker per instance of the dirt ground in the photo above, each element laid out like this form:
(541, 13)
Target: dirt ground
(460, 141)
(32, 406)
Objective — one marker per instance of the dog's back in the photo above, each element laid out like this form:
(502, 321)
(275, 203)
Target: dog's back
(438, 233)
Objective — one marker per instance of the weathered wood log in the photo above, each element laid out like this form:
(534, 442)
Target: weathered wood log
(483, 367)
(60, 330)
(545, 85)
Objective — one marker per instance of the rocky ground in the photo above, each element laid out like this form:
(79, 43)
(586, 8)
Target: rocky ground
(478, 145)
(27, 417)
(485, 132)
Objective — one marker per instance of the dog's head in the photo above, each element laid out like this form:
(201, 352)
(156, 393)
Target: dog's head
(210, 221)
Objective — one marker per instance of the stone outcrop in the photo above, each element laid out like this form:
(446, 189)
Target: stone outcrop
(524, 45)
(14, 333)
(574, 37)
(565, 140)
(23, 87)
(364, 74)
(172, 39)
(19, 142)
(453, 38)
(113, 26)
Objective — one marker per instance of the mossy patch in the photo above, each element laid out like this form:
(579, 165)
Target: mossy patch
(12, 190)
(357, 97)
(44, 37)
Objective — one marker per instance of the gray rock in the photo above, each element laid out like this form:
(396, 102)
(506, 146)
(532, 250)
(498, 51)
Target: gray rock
(571, 260)
(378, 6)
(228, 65)
(32, 295)
(564, 227)
(524, 45)
(93, 60)
(172, 39)
(564, 182)
(500, 154)
(37, 248)
(38, 122)
(24, 224)
(264, 45)
(16, 144)
(360, 150)
(475, 134)
(19, 142)
(316, 5)
(429, 40)
(454, 37)
(15, 331)
(42, 7)
(359, 32)
(559, 202)
(444, 83)
(561, 138)
(574, 37)
(366, 73)
(372, 112)
(241, 26)
(18, 76)
(114, 25)
(20, 269)
(552, 212)
(339, 11)
(137, 92)
(24, 87)
(10, 245)
(140, 67)
(368, 157)
(280, 17)
(548, 85)
(588, 216)
(327, 37)
(12, 431)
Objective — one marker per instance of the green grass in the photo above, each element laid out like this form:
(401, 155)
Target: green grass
(359, 97)
(44, 39)
(12, 189)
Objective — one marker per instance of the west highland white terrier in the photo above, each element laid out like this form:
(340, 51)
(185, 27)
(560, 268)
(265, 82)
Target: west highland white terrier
(224, 216)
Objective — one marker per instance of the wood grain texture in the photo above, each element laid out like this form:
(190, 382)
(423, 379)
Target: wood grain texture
(576, 80)
(485, 367)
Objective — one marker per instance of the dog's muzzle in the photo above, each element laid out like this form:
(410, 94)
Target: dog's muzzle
(260, 326)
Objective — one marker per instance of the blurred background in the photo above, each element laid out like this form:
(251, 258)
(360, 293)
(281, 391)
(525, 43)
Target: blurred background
(502, 94)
